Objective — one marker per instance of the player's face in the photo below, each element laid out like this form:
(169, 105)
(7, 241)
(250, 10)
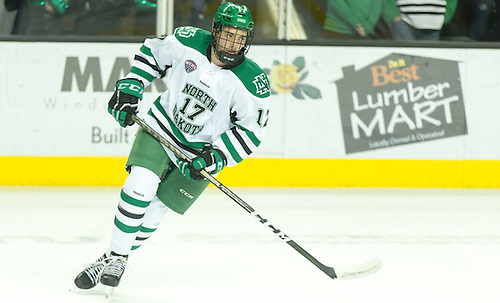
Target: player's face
(231, 40)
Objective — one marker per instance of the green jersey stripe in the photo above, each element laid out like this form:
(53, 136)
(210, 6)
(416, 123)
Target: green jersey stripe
(142, 60)
(142, 73)
(251, 135)
(253, 138)
(147, 51)
(230, 148)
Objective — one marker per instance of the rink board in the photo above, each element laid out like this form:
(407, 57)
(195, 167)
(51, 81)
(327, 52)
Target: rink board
(340, 116)
(109, 171)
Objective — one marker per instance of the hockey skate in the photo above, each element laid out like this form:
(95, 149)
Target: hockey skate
(89, 277)
(113, 270)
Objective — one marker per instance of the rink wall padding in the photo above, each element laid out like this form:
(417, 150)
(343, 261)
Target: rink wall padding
(110, 171)
(360, 115)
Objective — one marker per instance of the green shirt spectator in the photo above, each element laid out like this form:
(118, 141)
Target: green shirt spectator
(352, 18)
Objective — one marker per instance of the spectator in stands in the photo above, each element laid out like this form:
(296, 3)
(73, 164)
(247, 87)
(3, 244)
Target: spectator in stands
(419, 19)
(481, 12)
(37, 17)
(7, 16)
(83, 17)
(351, 19)
(198, 14)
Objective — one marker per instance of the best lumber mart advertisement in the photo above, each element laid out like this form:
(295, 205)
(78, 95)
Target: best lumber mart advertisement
(326, 102)
(400, 99)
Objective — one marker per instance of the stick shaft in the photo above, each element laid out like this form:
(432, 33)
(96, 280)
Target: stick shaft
(327, 270)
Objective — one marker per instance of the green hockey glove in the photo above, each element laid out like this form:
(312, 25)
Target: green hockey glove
(125, 101)
(211, 160)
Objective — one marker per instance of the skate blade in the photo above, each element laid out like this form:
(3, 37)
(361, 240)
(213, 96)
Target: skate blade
(108, 291)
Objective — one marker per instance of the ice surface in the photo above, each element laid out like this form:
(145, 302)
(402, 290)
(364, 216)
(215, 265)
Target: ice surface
(437, 246)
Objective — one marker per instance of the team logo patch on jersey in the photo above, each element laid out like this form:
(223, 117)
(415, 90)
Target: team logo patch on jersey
(190, 66)
(261, 84)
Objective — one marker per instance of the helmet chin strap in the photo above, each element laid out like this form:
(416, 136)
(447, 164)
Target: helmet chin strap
(227, 58)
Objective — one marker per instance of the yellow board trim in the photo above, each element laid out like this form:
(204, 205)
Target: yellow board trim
(109, 171)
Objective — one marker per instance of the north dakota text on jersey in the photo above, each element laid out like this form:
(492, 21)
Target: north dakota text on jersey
(200, 95)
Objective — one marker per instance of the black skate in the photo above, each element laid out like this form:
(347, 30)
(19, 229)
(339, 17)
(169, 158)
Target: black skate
(113, 270)
(89, 277)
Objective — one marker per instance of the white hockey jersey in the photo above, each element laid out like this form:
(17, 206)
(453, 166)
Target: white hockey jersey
(205, 104)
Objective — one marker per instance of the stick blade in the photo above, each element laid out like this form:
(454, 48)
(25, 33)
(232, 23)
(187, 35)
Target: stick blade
(360, 270)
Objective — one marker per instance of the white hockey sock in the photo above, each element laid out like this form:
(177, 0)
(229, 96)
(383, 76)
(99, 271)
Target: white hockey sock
(152, 218)
(135, 198)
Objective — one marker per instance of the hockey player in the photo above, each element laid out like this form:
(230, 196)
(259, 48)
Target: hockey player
(215, 111)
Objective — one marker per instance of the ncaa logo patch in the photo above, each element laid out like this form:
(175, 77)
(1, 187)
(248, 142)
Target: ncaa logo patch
(190, 66)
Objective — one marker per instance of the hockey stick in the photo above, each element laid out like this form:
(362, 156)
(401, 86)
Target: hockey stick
(353, 272)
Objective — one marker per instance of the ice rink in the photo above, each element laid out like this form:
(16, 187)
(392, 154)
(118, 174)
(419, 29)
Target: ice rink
(439, 246)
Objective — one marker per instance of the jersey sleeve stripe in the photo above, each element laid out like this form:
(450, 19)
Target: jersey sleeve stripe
(153, 67)
(250, 135)
(142, 73)
(146, 50)
(146, 53)
(230, 147)
(241, 141)
(253, 138)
